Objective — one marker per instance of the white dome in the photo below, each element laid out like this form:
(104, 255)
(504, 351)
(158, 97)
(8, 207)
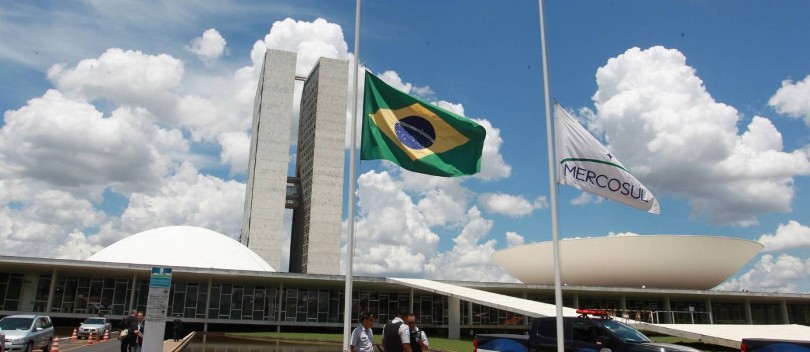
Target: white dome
(186, 246)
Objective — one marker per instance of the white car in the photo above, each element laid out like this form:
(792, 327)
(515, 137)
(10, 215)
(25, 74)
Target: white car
(96, 326)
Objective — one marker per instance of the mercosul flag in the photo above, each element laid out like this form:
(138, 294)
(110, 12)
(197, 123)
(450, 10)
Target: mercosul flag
(417, 135)
(586, 164)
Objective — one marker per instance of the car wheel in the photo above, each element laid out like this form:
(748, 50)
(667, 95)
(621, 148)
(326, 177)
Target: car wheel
(29, 347)
(47, 347)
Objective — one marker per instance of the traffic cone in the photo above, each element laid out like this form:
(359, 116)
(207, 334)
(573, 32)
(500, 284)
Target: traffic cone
(75, 336)
(90, 339)
(106, 335)
(55, 345)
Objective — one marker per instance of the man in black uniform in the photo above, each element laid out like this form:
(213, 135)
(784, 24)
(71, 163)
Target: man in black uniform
(177, 327)
(419, 342)
(396, 336)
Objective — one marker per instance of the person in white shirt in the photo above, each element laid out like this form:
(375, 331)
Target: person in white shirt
(139, 332)
(362, 336)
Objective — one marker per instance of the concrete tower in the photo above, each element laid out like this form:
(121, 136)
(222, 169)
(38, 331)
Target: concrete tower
(316, 229)
(266, 188)
(315, 193)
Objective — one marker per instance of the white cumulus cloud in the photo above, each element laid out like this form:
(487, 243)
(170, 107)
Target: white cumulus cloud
(128, 77)
(395, 236)
(784, 273)
(189, 198)
(129, 125)
(791, 99)
(392, 235)
(493, 165)
(311, 40)
(514, 239)
(73, 147)
(208, 47)
(469, 258)
(514, 206)
(586, 198)
(671, 134)
(787, 236)
(77, 247)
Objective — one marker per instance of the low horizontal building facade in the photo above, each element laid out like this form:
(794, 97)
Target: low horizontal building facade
(77, 289)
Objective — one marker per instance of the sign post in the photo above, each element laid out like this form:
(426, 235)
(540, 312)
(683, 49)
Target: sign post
(692, 313)
(157, 306)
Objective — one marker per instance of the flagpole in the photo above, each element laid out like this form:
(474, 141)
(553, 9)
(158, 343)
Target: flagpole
(347, 302)
(552, 189)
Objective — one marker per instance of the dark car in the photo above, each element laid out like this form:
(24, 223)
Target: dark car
(592, 331)
(773, 345)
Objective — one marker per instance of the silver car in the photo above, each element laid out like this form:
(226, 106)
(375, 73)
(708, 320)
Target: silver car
(27, 332)
(96, 326)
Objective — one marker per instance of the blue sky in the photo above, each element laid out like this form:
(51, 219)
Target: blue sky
(119, 117)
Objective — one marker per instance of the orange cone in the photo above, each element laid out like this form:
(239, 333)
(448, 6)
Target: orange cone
(90, 339)
(75, 336)
(55, 345)
(106, 335)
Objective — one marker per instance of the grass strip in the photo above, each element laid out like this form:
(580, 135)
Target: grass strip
(445, 344)
(436, 343)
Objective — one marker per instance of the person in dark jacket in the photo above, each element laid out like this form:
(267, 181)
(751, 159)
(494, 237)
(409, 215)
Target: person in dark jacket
(137, 341)
(125, 325)
(396, 336)
(177, 327)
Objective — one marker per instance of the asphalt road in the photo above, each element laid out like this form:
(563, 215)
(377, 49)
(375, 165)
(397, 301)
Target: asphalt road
(113, 345)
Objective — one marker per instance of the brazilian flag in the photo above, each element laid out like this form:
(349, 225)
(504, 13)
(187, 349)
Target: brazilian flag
(417, 135)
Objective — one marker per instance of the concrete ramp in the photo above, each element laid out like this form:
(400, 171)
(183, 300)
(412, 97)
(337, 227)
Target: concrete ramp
(729, 335)
(508, 303)
(715, 334)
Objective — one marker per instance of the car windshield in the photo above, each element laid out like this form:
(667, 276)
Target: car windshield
(94, 321)
(16, 323)
(625, 333)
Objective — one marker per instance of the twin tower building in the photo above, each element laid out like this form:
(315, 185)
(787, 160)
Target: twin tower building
(313, 191)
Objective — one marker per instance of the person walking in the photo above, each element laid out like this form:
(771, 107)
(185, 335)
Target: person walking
(362, 336)
(177, 326)
(126, 331)
(396, 335)
(419, 341)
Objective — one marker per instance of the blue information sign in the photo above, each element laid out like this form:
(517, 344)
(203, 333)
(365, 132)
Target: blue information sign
(161, 277)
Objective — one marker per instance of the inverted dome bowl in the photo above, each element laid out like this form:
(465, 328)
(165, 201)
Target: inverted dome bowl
(652, 261)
